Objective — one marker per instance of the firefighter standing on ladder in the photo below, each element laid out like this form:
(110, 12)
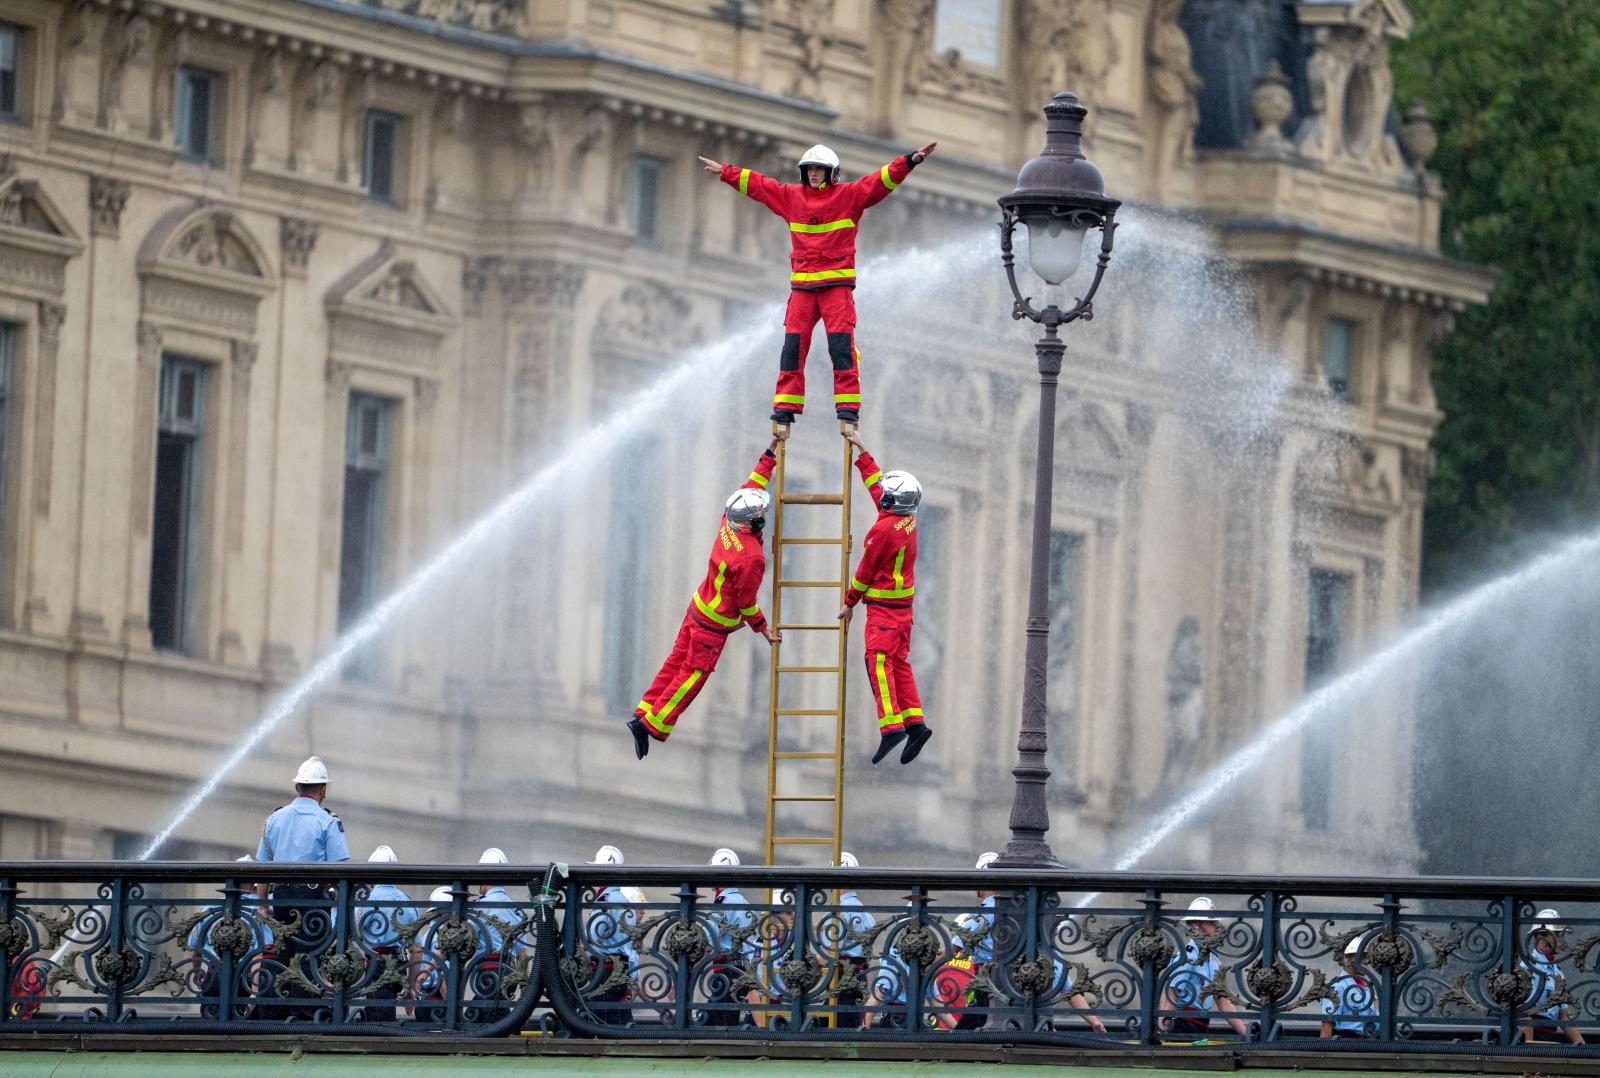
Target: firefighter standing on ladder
(725, 600)
(885, 578)
(823, 216)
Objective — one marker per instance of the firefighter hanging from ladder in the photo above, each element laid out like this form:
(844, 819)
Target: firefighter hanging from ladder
(725, 600)
(823, 216)
(886, 579)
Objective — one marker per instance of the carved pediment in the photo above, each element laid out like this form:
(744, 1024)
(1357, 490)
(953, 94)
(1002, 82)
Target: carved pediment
(36, 239)
(1391, 18)
(200, 264)
(1089, 438)
(390, 290)
(644, 318)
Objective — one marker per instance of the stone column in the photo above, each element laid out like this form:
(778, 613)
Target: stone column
(36, 616)
(235, 574)
(147, 386)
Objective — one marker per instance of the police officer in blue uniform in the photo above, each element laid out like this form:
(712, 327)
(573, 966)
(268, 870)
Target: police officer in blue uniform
(302, 830)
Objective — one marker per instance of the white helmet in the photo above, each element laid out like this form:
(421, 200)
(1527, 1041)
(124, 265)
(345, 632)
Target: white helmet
(441, 894)
(607, 855)
(494, 855)
(747, 505)
(1547, 920)
(312, 773)
(820, 155)
(901, 493)
(385, 855)
(724, 856)
(848, 860)
(246, 857)
(1353, 946)
(987, 858)
(1200, 910)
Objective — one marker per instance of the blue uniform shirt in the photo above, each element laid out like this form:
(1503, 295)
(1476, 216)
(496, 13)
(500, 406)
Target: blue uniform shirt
(1357, 997)
(302, 830)
(726, 921)
(380, 925)
(856, 920)
(249, 912)
(983, 950)
(1546, 975)
(1191, 976)
(612, 912)
(495, 922)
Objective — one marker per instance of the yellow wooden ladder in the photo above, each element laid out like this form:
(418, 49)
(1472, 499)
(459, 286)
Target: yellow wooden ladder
(804, 789)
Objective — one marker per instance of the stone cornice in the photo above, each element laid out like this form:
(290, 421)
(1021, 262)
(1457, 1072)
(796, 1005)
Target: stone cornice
(1401, 272)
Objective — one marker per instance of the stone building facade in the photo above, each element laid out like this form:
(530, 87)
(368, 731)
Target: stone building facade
(293, 290)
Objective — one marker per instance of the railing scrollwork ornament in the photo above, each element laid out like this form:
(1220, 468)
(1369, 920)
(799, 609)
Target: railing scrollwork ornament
(14, 937)
(1388, 951)
(1033, 977)
(1150, 947)
(918, 945)
(1269, 983)
(231, 935)
(1507, 987)
(685, 940)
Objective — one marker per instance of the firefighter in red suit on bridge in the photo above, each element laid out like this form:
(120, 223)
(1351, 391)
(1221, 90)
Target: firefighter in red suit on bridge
(823, 216)
(886, 579)
(725, 600)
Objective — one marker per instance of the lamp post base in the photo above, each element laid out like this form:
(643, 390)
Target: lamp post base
(1028, 855)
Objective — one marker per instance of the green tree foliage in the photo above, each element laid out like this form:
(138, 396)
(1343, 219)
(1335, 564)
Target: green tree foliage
(1514, 86)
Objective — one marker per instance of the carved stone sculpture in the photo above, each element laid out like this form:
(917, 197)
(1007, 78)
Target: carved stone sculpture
(1271, 103)
(1174, 90)
(904, 40)
(1186, 670)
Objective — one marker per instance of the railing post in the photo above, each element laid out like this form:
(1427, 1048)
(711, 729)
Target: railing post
(1269, 959)
(919, 900)
(228, 974)
(1508, 954)
(1147, 975)
(1030, 952)
(682, 986)
(799, 953)
(8, 899)
(341, 941)
(114, 942)
(1387, 974)
(455, 964)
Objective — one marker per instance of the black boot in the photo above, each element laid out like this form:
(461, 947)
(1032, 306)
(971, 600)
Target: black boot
(641, 737)
(920, 733)
(848, 415)
(889, 741)
(783, 417)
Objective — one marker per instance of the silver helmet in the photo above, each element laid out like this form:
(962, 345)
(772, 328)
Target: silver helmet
(746, 506)
(901, 493)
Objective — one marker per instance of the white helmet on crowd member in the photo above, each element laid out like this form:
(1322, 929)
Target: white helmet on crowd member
(901, 493)
(385, 855)
(1547, 920)
(1201, 910)
(1353, 947)
(246, 857)
(724, 856)
(987, 858)
(848, 860)
(494, 855)
(441, 894)
(747, 505)
(607, 855)
(313, 772)
(820, 155)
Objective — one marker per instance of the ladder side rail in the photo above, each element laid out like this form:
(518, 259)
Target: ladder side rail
(772, 676)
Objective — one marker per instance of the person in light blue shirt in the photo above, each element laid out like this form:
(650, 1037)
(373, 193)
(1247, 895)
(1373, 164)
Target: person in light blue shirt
(1354, 1011)
(500, 944)
(380, 930)
(605, 936)
(854, 921)
(729, 918)
(1193, 970)
(1544, 964)
(199, 942)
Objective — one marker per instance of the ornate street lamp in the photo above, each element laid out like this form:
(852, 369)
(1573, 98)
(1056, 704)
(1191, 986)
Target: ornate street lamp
(1060, 195)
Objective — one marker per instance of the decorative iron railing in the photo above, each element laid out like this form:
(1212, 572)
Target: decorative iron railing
(1074, 959)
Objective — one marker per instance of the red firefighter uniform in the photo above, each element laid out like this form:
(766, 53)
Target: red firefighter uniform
(725, 600)
(822, 273)
(886, 579)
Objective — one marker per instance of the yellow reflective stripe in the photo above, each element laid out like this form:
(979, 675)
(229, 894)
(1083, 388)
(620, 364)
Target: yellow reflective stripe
(751, 612)
(910, 711)
(716, 599)
(688, 683)
(787, 398)
(899, 564)
(874, 477)
(890, 593)
(823, 275)
(887, 182)
(744, 181)
(847, 398)
(826, 226)
(758, 479)
(856, 584)
(883, 689)
(644, 706)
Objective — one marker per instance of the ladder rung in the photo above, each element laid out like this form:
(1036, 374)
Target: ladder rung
(813, 499)
(803, 797)
(812, 542)
(776, 841)
(818, 625)
(808, 670)
(805, 755)
(808, 711)
(810, 583)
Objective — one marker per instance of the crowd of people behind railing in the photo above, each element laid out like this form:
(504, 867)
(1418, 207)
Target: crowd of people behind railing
(392, 961)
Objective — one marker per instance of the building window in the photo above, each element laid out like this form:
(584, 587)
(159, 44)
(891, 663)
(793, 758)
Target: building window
(175, 525)
(1061, 673)
(199, 102)
(361, 535)
(380, 155)
(644, 198)
(8, 344)
(1327, 601)
(626, 670)
(1338, 345)
(10, 69)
